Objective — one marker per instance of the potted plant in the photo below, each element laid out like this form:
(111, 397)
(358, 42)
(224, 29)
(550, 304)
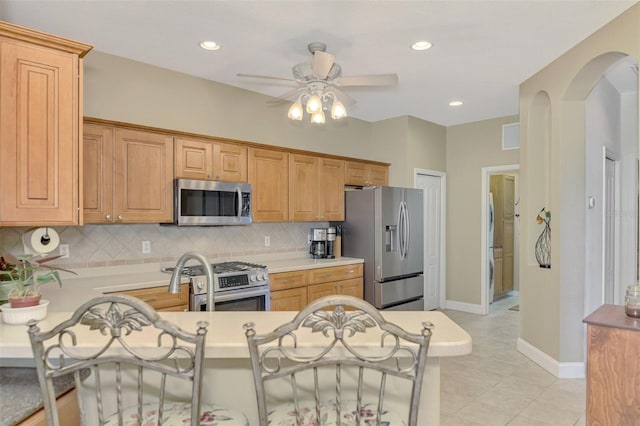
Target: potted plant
(22, 276)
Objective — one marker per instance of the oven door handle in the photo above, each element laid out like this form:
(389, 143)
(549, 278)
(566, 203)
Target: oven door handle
(244, 294)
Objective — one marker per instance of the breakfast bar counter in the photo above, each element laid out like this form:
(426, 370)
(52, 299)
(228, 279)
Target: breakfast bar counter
(228, 379)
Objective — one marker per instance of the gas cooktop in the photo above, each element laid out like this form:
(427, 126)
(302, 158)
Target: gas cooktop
(219, 268)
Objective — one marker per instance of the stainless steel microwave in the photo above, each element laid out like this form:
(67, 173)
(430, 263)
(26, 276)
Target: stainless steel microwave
(206, 203)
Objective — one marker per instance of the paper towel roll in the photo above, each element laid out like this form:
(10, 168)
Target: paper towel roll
(40, 240)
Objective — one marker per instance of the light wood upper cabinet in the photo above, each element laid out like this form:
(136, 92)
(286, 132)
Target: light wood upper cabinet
(98, 173)
(269, 178)
(129, 175)
(316, 188)
(229, 162)
(365, 174)
(143, 176)
(40, 122)
(201, 159)
(193, 159)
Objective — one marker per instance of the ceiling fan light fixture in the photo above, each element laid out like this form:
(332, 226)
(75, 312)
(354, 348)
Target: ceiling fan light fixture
(338, 110)
(210, 45)
(456, 103)
(318, 117)
(314, 104)
(295, 111)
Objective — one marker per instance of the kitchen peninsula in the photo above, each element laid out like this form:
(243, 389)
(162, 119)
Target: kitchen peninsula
(227, 356)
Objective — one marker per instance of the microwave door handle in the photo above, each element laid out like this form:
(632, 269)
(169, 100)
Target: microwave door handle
(239, 195)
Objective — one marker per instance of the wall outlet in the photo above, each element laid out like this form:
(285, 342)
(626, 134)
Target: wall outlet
(146, 247)
(267, 241)
(63, 251)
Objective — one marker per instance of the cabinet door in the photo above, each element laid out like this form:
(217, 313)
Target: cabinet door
(352, 287)
(330, 190)
(160, 299)
(378, 175)
(143, 177)
(289, 300)
(39, 134)
(335, 273)
(316, 291)
(287, 280)
(97, 167)
(229, 162)
(355, 174)
(303, 188)
(269, 178)
(194, 159)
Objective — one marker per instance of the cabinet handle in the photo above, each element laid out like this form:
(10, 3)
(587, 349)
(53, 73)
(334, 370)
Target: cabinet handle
(217, 177)
(151, 300)
(108, 217)
(119, 217)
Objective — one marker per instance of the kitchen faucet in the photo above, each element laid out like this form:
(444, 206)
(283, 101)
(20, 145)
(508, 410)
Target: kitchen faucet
(174, 283)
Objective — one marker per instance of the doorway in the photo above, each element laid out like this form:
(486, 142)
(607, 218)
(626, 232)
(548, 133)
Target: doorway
(433, 185)
(491, 267)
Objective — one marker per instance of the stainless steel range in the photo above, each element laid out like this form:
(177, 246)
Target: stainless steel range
(238, 286)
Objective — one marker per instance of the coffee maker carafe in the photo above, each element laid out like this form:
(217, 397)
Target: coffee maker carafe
(318, 246)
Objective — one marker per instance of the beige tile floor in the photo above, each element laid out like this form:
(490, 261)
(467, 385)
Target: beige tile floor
(496, 385)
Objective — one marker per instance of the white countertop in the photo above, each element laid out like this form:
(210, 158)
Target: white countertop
(226, 338)
(93, 282)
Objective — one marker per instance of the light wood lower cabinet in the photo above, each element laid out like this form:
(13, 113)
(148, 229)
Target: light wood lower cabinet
(292, 291)
(160, 299)
(289, 300)
(613, 368)
(68, 412)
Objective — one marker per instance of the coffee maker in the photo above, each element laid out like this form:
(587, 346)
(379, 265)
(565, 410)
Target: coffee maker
(318, 245)
(331, 242)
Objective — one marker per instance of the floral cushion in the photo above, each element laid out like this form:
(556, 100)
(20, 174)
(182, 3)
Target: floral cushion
(179, 414)
(284, 415)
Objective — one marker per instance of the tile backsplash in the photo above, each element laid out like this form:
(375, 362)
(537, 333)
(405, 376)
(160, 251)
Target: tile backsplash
(110, 245)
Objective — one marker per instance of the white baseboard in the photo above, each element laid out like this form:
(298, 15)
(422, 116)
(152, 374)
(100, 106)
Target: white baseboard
(562, 370)
(465, 307)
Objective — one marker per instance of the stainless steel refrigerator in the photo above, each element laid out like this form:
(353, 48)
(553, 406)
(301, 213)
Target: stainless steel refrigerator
(384, 226)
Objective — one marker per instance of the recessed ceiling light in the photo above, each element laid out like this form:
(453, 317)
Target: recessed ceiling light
(210, 45)
(421, 45)
(455, 103)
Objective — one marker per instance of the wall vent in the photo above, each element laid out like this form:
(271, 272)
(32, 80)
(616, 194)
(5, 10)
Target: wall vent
(511, 136)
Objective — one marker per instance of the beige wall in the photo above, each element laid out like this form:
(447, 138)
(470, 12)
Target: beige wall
(470, 147)
(409, 143)
(123, 90)
(552, 301)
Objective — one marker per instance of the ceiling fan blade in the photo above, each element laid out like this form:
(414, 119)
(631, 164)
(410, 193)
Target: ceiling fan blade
(367, 80)
(322, 63)
(285, 96)
(343, 97)
(265, 77)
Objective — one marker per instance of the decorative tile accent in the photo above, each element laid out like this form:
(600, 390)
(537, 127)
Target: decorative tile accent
(111, 245)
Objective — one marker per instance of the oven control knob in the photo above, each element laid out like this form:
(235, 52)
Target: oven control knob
(200, 285)
(254, 278)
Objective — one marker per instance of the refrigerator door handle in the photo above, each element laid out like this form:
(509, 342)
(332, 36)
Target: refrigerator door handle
(402, 224)
(407, 224)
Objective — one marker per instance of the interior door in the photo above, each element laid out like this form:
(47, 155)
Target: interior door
(432, 196)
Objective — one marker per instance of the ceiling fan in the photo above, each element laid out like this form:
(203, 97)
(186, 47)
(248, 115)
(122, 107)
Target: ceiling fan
(320, 82)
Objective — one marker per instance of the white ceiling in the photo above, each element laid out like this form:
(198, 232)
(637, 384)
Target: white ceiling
(482, 49)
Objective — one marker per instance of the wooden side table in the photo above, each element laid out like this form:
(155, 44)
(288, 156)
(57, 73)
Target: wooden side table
(613, 367)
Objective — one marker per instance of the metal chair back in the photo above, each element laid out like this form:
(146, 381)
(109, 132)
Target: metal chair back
(333, 362)
(101, 336)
